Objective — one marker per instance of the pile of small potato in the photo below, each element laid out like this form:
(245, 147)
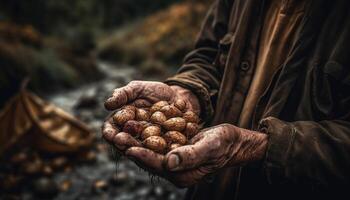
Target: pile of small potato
(161, 127)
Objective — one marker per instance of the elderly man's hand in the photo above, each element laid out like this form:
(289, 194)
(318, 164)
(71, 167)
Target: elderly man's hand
(142, 94)
(211, 149)
(146, 93)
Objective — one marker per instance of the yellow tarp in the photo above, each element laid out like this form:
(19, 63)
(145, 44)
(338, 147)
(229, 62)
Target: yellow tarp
(48, 127)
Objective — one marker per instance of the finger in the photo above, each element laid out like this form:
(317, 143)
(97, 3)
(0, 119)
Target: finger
(204, 132)
(122, 96)
(141, 103)
(124, 141)
(109, 131)
(187, 157)
(197, 137)
(146, 158)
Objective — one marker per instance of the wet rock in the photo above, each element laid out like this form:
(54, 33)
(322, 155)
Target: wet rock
(85, 116)
(173, 197)
(44, 187)
(88, 156)
(102, 147)
(144, 191)
(59, 162)
(158, 191)
(31, 167)
(11, 182)
(100, 186)
(100, 113)
(65, 185)
(87, 101)
(19, 158)
(67, 169)
(47, 170)
(119, 178)
(11, 197)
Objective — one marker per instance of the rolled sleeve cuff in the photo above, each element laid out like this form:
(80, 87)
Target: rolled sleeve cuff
(281, 136)
(199, 90)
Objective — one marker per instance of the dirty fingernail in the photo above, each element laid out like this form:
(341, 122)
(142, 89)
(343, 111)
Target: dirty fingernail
(173, 161)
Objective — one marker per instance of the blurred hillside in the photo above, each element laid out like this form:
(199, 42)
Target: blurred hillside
(50, 64)
(158, 41)
(52, 16)
(54, 43)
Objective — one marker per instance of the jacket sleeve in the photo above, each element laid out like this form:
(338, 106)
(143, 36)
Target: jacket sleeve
(198, 73)
(308, 152)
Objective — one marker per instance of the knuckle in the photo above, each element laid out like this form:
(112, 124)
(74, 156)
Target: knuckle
(215, 144)
(223, 128)
(108, 103)
(134, 83)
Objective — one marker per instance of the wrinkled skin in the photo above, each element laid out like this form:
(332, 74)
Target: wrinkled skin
(211, 149)
(146, 93)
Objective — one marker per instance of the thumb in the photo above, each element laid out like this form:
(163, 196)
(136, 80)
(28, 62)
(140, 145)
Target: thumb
(123, 95)
(186, 157)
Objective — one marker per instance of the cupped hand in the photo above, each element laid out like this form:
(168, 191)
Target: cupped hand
(142, 94)
(146, 93)
(210, 150)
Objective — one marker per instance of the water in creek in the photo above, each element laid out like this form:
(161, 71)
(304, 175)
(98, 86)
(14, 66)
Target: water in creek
(127, 182)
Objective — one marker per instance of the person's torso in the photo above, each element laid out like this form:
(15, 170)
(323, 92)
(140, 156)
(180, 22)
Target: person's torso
(281, 61)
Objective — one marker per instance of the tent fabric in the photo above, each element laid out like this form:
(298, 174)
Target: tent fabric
(50, 128)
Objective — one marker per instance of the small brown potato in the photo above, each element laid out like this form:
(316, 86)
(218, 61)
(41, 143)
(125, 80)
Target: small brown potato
(174, 137)
(175, 124)
(142, 115)
(191, 130)
(109, 131)
(157, 106)
(174, 146)
(145, 124)
(129, 107)
(122, 116)
(148, 109)
(158, 118)
(180, 104)
(190, 116)
(124, 141)
(171, 111)
(133, 127)
(150, 131)
(155, 143)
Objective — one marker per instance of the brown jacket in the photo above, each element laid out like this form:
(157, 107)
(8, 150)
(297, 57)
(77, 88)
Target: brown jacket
(305, 109)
